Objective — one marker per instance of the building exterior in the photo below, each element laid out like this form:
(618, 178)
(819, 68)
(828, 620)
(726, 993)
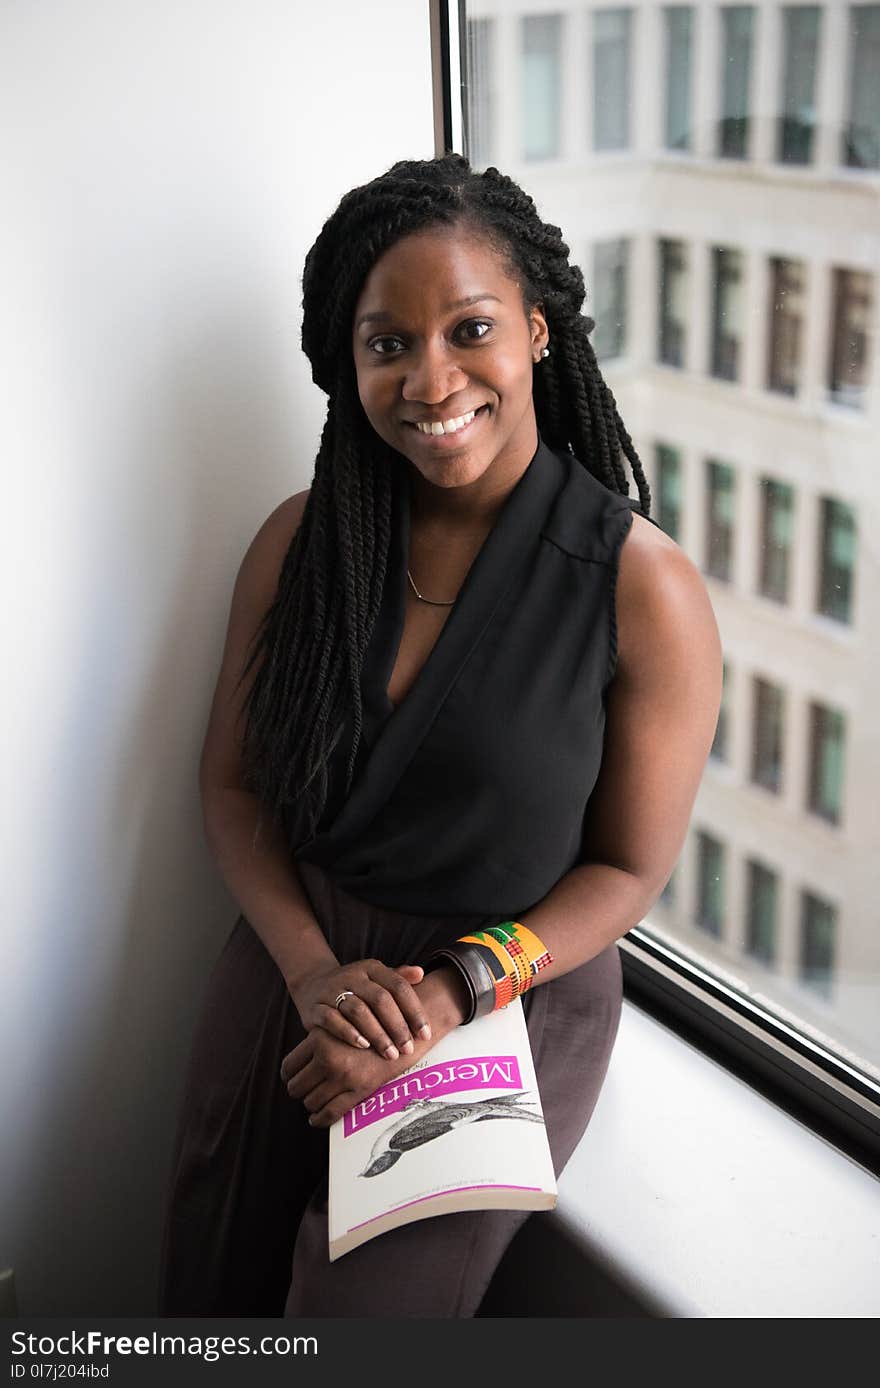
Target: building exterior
(716, 172)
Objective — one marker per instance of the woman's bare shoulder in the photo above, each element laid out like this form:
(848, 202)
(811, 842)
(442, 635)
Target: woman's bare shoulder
(660, 598)
(261, 566)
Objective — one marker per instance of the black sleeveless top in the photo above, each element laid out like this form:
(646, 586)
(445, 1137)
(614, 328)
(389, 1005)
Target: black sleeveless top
(470, 796)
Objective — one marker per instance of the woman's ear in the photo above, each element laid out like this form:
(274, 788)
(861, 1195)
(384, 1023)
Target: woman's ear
(539, 330)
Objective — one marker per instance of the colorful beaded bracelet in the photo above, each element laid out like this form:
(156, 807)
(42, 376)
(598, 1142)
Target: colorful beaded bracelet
(496, 964)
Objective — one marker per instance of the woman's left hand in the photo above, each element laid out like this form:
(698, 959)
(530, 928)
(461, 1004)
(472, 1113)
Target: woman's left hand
(331, 1077)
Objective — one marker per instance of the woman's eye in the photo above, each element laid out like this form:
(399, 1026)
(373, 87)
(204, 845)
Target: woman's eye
(477, 323)
(376, 345)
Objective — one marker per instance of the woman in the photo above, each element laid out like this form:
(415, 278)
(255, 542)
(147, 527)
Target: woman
(451, 696)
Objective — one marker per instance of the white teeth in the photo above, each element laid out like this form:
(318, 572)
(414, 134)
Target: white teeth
(448, 427)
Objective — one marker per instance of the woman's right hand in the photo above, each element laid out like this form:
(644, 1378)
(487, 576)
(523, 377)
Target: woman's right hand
(383, 1011)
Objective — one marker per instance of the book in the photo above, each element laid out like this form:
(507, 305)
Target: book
(462, 1129)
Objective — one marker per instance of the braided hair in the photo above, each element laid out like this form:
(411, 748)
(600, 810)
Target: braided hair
(311, 643)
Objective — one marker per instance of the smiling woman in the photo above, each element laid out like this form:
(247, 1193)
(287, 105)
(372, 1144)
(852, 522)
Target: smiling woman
(465, 689)
(449, 390)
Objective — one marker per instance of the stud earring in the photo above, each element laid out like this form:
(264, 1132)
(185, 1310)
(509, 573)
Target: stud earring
(546, 352)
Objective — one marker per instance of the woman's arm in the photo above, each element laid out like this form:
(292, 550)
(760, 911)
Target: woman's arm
(661, 713)
(256, 864)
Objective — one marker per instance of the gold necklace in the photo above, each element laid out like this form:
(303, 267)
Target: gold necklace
(422, 597)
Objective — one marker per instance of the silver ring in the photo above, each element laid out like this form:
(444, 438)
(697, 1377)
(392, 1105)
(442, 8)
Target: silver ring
(342, 996)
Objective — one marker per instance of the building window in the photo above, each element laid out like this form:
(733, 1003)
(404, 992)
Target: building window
(797, 121)
(610, 263)
(611, 68)
(837, 559)
(777, 524)
(861, 135)
(668, 462)
(787, 312)
(679, 23)
(673, 302)
(848, 371)
(818, 928)
(541, 85)
(479, 107)
(761, 907)
(710, 884)
(767, 735)
(727, 312)
(718, 749)
(720, 519)
(827, 727)
(736, 68)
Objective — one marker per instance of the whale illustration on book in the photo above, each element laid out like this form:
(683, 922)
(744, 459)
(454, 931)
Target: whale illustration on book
(423, 1120)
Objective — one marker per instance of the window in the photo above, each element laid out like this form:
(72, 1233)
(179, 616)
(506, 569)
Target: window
(541, 85)
(710, 884)
(825, 794)
(786, 317)
(774, 561)
(761, 912)
(673, 302)
(861, 136)
(818, 929)
(719, 742)
(768, 735)
(727, 313)
(800, 46)
(736, 314)
(668, 513)
(610, 261)
(848, 369)
(679, 21)
(836, 560)
(737, 23)
(611, 63)
(480, 104)
(720, 518)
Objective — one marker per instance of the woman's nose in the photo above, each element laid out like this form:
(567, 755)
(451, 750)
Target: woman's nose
(433, 374)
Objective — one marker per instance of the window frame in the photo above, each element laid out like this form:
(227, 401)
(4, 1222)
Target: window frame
(814, 1085)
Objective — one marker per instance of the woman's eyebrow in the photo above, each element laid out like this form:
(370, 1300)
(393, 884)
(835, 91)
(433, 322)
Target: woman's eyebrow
(383, 316)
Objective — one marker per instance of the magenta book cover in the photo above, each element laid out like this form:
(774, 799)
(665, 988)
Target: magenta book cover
(462, 1129)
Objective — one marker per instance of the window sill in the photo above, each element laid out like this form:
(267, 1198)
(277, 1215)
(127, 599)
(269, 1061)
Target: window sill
(691, 1195)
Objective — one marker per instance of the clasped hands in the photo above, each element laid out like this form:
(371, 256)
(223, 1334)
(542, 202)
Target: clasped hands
(351, 1049)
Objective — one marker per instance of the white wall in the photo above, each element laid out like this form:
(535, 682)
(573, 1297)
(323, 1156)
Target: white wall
(167, 168)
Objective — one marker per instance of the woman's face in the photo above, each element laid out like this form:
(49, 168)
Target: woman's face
(440, 334)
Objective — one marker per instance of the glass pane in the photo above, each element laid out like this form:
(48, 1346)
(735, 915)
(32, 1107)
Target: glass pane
(541, 56)
(797, 121)
(738, 337)
(611, 67)
(679, 28)
(861, 137)
(736, 72)
(609, 276)
(837, 559)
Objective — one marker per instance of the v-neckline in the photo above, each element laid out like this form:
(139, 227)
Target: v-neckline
(390, 624)
(391, 735)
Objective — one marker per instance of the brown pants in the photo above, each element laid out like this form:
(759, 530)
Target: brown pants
(246, 1223)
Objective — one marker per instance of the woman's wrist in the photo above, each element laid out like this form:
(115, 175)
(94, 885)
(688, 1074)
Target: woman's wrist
(445, 998)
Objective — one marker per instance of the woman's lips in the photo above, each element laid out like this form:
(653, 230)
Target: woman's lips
(447, 441)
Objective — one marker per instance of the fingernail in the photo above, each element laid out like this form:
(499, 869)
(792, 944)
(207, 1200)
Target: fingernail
(392, 1053)
(407, 1048)
(425, 1032)
(363, 1042)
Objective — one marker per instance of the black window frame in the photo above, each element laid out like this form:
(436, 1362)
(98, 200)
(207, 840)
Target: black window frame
(816, 1086)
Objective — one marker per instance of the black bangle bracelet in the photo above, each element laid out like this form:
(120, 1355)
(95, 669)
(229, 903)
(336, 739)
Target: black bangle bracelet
(471, 967)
